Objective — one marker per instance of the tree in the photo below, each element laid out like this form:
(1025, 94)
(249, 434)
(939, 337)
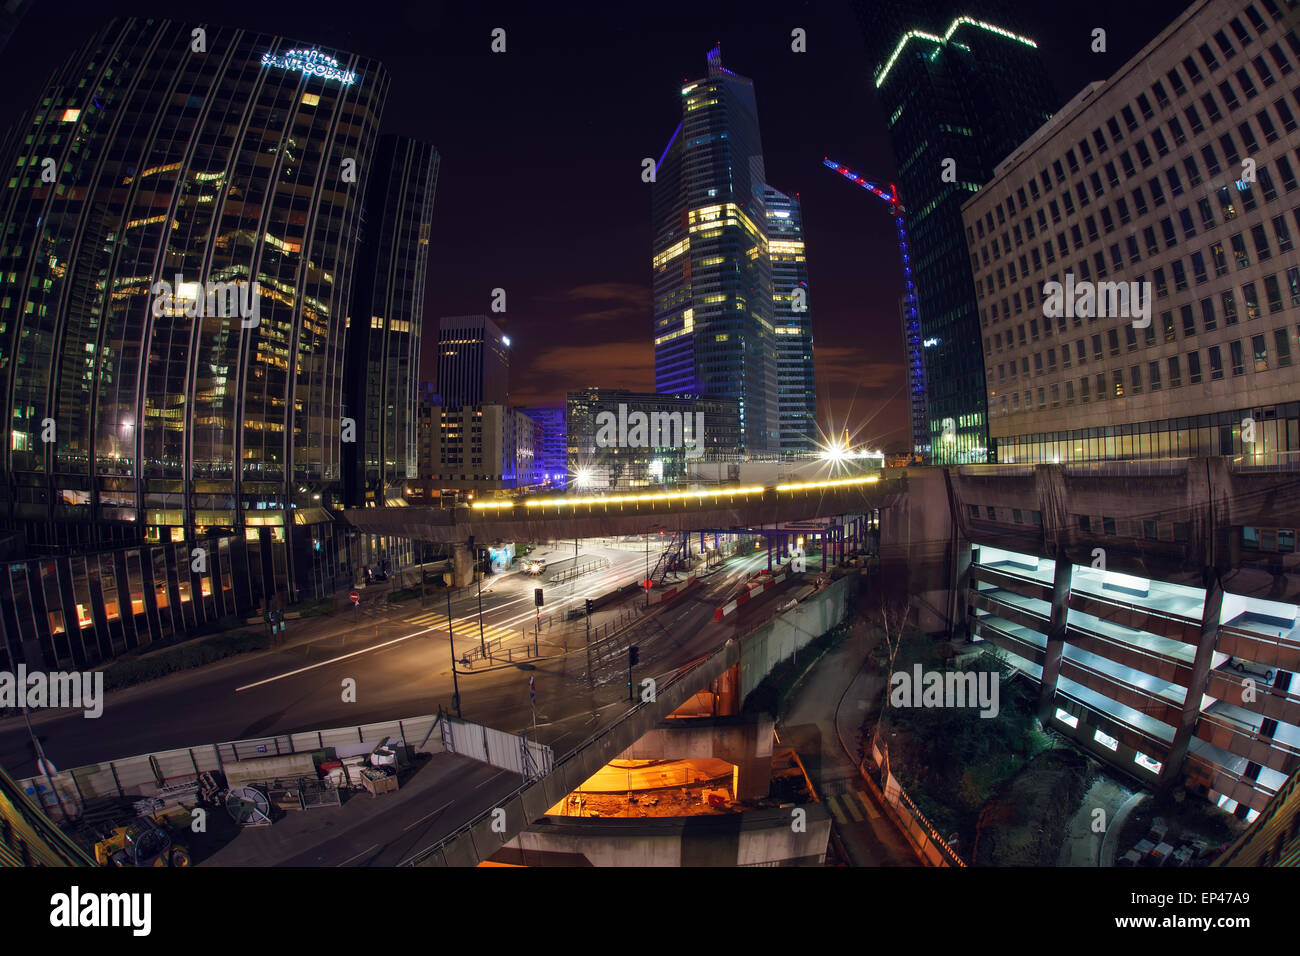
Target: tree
(892, 621)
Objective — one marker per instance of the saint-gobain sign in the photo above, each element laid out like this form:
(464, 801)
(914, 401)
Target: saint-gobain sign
(311, 62)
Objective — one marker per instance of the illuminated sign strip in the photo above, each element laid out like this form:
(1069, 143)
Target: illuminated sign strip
(310, 63)
(952, 28)
(675, 495)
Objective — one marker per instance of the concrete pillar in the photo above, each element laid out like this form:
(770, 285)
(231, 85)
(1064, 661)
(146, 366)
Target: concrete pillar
(752, 777)
(768, 539)
(1171, 773)
(1061, 581)
(462, 564)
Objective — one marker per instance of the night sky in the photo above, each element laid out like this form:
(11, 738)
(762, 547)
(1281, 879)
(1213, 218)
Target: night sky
(540, 190)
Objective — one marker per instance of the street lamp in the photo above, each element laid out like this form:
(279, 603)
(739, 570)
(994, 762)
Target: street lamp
(451, 642)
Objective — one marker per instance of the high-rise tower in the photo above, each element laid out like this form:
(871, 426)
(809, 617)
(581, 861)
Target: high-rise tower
(961, 88)
(383, 360)
(712, 276)
(792, 322)
(178, 255)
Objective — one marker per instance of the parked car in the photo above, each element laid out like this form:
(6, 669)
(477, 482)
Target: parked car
(1251, 668)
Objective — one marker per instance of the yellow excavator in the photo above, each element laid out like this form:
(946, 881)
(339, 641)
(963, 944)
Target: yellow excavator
(142, 842)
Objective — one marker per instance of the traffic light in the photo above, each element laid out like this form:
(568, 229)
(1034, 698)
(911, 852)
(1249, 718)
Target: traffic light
(537, 597)
(590, 606)
(633, 655)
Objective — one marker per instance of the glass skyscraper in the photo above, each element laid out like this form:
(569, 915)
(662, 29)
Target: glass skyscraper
(177, 247)
(792, 323)
(713, 306)
(961, 88)
(384, 327)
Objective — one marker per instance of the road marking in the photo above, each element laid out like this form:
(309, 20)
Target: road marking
(834, 809)
(867, 805)
(430, 814)
(355, 855)
(490, 779)
(334, 660)
(850, 807)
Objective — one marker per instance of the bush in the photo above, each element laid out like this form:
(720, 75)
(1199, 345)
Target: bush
(127, 672)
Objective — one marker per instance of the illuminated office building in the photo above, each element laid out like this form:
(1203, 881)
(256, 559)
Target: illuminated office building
(792, 323)
(177, 244)
(383, 360)
(960, 87)
(712, 277)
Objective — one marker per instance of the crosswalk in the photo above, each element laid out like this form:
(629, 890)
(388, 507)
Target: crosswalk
(463, 625)
(853, 806)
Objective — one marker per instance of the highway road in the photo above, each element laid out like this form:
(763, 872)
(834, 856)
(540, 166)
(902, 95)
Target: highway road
(401, 663)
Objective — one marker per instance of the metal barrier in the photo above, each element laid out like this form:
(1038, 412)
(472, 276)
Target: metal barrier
(579, 567)
(142, 775)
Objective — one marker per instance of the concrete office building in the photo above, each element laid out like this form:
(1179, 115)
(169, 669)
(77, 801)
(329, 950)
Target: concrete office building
(603, 459)
(1175, 180)
(473, 361)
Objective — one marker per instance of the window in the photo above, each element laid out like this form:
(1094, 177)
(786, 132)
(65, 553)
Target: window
(1229, 308)
(1194, 120)
(1282, 233)
(1211, 107)
(1216, 363)
(1117, 383)
(1193, 171)
(1282, 342)
(1260, 350)
(1189, 321)
(1211, 160)
(1234, 351)
(1260, 241)
(1285, 115)
(1130, 121)
(1167, 325)
(1176, 82)
(1193, 71)
(1251, 298)
(1175, 373)
(1229, 97)
(1239, 251)
(1207, 315)
(1194, 368)
(1198, 268)
(1135, 379)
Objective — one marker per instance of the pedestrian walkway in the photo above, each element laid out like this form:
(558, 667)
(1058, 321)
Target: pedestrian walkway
(464, 625)
(837, 691)
(851, 805)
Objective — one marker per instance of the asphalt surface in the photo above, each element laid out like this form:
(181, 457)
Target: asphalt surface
(401, 662)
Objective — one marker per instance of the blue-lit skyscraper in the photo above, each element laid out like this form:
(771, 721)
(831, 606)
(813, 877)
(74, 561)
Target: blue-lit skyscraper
(713, 303)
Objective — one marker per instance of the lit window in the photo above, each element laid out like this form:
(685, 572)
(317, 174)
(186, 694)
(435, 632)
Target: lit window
(71, 115)
(311, 99)
(1107, 741)
(1067, 718)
